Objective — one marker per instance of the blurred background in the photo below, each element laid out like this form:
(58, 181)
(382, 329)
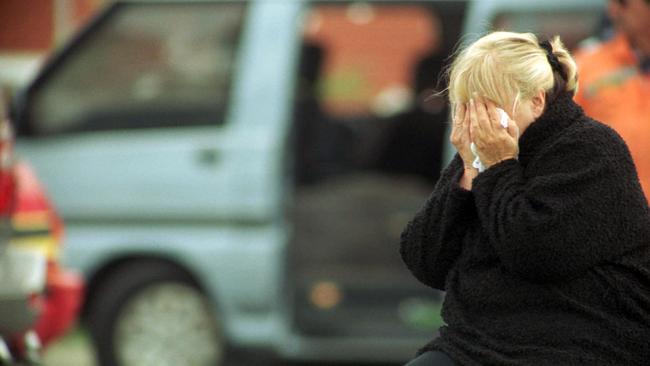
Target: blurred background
(32, 29)
(230, 178)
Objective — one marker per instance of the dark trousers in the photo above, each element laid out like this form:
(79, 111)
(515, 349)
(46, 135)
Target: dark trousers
(432, 358)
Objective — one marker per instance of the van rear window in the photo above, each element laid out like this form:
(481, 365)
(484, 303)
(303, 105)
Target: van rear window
(573, 26)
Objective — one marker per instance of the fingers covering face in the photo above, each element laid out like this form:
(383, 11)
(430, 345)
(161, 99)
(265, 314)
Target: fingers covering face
(483, 117)
(479, 127)
(494, 116)
(460, 113)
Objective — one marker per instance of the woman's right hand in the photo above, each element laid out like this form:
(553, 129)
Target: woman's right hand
(462, 140)
(460, 136)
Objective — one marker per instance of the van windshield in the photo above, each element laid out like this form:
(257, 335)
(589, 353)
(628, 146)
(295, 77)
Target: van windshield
(143, 66)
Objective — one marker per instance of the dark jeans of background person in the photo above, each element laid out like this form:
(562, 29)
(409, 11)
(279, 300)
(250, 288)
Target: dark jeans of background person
(432, 358)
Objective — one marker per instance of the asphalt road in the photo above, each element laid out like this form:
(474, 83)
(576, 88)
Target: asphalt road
(75, 349)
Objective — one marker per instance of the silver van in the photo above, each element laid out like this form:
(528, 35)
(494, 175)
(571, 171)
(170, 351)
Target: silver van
(236, 174)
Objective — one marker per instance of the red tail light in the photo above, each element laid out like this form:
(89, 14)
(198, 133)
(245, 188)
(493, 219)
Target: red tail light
(36, 302)
(7, 179)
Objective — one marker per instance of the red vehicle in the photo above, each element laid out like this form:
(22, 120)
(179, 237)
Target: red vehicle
(36, 225)
(38, 309)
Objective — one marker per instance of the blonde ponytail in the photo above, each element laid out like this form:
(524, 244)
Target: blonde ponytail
(567, 63)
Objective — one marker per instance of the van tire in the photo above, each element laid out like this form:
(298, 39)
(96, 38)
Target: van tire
(133, 289)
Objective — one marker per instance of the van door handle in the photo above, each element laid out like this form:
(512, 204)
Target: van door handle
(207, 156)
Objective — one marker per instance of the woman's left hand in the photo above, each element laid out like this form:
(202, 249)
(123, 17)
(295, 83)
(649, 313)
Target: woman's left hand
(493, 142)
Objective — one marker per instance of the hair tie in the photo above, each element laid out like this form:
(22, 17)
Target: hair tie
(552, 59)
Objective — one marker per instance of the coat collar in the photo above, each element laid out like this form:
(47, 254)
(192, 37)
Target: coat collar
(558, 115)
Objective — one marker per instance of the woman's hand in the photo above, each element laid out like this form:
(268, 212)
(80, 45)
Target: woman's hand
(493, 142)
(461, 139)
(460, 136)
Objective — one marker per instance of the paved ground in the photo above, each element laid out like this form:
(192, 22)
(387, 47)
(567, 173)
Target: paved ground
(72, 350)
(75, 350)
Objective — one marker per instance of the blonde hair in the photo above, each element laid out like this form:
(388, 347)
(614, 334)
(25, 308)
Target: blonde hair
(506, 67)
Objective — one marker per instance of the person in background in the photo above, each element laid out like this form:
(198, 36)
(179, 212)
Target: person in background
(543, 248)
(615, 80)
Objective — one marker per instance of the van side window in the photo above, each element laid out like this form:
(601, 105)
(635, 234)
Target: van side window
(143, 66)
(370, 101)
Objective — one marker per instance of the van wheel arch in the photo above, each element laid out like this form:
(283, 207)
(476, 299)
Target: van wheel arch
(137, 281)
(102, 275)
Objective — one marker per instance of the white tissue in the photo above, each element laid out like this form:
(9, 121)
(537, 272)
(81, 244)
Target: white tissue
(477, 164)
(503, 117)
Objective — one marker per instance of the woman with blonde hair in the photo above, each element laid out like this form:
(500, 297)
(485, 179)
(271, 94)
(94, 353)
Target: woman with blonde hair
(538, 230)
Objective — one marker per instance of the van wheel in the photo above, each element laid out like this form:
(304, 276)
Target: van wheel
(151, 313)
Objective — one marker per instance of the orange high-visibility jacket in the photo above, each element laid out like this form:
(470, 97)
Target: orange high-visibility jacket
(613, 90)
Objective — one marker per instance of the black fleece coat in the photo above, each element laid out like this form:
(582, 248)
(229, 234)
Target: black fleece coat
(546, 261)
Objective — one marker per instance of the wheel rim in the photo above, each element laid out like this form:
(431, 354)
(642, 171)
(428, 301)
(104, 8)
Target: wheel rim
(167, 324)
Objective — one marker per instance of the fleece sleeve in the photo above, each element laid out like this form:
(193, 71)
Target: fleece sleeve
(431, 241)
(579, 206)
